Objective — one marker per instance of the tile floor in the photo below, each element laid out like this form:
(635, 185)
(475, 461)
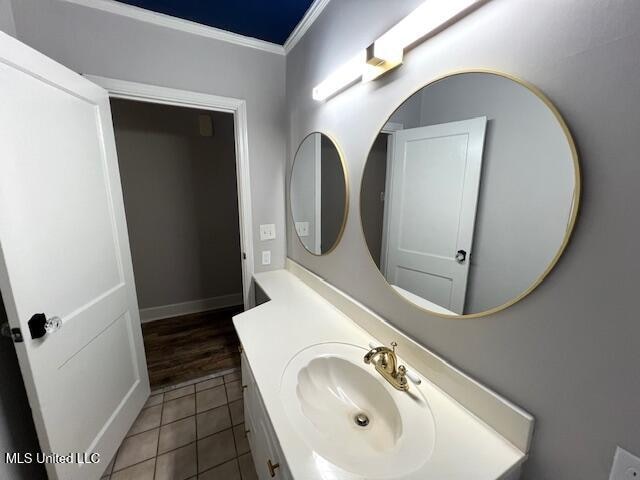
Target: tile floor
(193, 430)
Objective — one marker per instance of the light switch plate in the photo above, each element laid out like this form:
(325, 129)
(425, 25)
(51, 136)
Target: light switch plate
(267, 231)
(625, 466)
(302, 228)
(266, 257)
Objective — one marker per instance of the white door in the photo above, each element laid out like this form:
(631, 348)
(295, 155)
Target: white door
(434, 183)
(64, 252)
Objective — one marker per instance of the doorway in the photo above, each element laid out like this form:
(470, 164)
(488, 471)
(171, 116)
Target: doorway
(178, 173)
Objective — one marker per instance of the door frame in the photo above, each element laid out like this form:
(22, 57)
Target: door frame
(142, 92)
(388, 129)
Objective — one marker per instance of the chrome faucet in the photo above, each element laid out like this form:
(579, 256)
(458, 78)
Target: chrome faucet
(386, 363)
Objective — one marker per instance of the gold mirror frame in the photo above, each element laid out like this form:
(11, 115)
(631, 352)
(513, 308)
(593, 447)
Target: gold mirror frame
(345, 174)
(574, 210)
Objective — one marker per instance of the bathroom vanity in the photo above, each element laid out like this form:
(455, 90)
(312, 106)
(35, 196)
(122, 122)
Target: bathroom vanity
(315, 410)
(265, 449)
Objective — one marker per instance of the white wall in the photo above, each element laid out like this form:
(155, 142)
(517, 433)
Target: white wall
(567, 353)
(90, 41)
(180, 198)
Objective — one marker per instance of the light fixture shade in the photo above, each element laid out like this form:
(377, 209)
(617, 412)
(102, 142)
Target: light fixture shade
(427, 18)
(344, 76)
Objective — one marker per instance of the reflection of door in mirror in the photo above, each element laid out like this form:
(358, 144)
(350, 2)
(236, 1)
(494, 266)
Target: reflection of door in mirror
(431, 208)
(513, 198)
(306, 193)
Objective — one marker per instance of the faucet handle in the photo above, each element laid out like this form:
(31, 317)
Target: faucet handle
(404, 374)
(415, 379)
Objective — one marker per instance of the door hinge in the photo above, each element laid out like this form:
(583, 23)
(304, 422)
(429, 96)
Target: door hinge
(244, 256)
(13, 333)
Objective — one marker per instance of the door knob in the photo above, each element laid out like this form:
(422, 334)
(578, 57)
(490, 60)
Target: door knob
(40, 325)
(461, 256)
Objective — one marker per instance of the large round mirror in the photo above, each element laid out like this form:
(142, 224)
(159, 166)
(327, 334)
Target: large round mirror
(469, 194)
(318, 193)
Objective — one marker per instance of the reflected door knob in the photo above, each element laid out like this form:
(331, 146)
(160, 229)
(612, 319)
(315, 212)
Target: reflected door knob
(461, 256)
(40, 325)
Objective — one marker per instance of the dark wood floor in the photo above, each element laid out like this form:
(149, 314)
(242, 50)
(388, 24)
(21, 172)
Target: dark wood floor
(190, 346)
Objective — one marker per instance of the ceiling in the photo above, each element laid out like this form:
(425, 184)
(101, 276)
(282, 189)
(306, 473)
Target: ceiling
(269, 20)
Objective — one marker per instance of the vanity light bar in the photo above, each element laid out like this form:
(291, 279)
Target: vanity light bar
(345, 75)
(387, 51)
(424, 20)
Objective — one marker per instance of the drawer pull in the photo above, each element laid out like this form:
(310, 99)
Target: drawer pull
(272, 468)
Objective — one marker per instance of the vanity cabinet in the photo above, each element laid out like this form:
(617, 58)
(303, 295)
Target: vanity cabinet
(265, 449)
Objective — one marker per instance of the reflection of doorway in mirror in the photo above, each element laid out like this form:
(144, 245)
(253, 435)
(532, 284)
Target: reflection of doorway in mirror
(432, 194)
(526, 204)
(306, 193)
(318, 193)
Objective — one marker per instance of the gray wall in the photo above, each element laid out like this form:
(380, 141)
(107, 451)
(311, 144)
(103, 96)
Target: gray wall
(94, 42)
(180, 198)
(7, 24)
(567, 353)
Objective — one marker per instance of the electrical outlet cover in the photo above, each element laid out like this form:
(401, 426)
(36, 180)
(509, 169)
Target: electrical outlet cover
(626, 466)
(266, 257)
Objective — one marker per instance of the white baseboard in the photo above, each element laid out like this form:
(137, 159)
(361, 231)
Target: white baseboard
(195, 306)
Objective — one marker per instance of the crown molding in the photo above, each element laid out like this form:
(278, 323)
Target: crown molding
(187, 26)
(309, 18)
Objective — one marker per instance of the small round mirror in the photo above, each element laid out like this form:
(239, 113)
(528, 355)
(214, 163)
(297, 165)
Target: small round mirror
(318, 193)
(470, 193)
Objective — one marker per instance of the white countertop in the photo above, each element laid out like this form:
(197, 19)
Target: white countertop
(298, 317)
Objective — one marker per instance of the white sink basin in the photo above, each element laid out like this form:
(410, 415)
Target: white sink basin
(351, 417)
